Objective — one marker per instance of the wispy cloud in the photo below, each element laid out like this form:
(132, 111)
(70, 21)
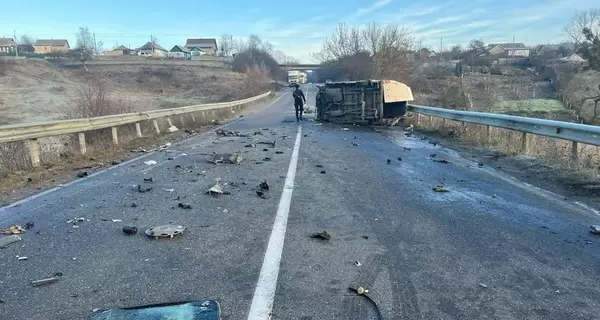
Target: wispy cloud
(374, 7)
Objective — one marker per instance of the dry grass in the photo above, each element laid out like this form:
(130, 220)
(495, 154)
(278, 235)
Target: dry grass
(509, 143)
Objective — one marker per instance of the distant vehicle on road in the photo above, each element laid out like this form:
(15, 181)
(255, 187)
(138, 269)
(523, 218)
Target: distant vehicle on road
(362, 102)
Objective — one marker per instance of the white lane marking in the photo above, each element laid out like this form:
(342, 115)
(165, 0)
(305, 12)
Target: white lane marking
(264, 294)
(46, 192)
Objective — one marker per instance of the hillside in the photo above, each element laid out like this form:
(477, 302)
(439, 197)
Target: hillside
(37, 90)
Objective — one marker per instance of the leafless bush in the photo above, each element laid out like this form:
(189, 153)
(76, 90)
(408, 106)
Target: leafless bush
(5, 66)
(13, 156)
(94, 99)
(257, 79)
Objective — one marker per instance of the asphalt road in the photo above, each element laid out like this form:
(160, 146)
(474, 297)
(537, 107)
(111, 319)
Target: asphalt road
(490, 248)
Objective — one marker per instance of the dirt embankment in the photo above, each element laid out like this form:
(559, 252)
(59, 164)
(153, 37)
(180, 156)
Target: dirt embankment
(37, 90)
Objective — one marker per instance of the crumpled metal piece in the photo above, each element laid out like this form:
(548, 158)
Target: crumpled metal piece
(217, 189)
(236, 158)
(595, 228)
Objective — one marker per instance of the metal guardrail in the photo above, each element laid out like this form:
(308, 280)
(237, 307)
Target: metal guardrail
(574, 132)
(32, 131)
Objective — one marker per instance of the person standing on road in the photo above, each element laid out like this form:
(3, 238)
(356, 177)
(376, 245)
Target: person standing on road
(299, 101)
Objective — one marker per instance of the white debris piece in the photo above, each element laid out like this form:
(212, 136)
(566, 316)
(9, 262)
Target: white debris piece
(150, 162)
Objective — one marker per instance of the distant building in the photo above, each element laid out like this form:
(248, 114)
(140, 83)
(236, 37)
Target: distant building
(152, 50)
(509, 50)
(180, 52)
(425, 53)
(207, 45)
(51, 45)
(7, 45)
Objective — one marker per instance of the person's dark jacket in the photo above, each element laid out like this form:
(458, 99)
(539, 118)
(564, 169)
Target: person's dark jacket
(299, 98)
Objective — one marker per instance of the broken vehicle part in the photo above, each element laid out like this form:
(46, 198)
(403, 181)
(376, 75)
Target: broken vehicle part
(6, 241)
(271, 143)
(184, 205)
(143, 189)
(236, 157)
(164, 231)
(130, 229)
(42, 282)
(440, 188)
(362, 102)
(323, 235)
(595, 228)
(150, 162)
(192, 310)
(216, 190)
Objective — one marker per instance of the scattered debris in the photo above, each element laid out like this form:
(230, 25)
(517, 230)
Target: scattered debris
(407, 149)
(480, 164)
(322, 172)
(150, 162)
(164, 231)
(134, 205)
(172, 129)
(41, 282)
(323, 235)
(441, 160)
(365, 237)
(22, 258)
(483, 285)
(217, 189)
(267, 159)
(6, 241)
(433, 155)
(263, 190)
(440, 188)
(184, 205)
(169, 190)
(130, 229)
(389, 161)
(319, 166)
(236, 157)
(226, 133)
(14, 229)
(251, 145)
(116, 220)
(170, 158)
(29, 225)
(272, 143)
(148, 179)
(354, 144)
(278, 152)
(595, 228)
(399, 159)
(357, 263)
(82, 174)
(345, 129)
(143, 189)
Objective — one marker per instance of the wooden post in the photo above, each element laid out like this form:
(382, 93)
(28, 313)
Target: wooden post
(115, 135)
(156, 127)
(574, 150)
(524, 142)
(34, 152)
(138, 130)
(487, 133)
(418, 119)
(82, 144)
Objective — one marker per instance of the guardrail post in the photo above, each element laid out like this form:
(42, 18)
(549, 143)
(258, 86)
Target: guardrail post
(193, 117)
(418, 118)
(524, 142)
(169, 121)
(138, 130)
(156, 127)
(115, 135)
(443, 122)
(34, 152)
(574, 149)
(182, 120)
(82, 144)
(212, 113)
(487, 133)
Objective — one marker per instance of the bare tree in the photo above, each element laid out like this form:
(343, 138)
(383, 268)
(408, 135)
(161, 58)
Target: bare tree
(456, 51)
(94, 99)
(583, 19)
(85, 47)
(376, 51)
(595, 98)
(27, 40)
(226, 44)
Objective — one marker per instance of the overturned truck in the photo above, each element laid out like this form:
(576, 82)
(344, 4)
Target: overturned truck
(381, 102)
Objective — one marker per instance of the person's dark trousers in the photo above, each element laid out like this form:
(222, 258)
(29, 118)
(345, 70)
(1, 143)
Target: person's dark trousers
(299, 109)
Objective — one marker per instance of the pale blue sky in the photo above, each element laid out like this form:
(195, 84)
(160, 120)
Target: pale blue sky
(295, 27)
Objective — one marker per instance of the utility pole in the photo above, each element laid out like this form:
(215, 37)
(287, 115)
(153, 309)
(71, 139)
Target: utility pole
(95, 45)
(441, 48)
(513, 39)
(16, 44)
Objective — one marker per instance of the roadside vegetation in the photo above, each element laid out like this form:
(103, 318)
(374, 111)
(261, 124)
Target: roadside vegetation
(469, 78)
